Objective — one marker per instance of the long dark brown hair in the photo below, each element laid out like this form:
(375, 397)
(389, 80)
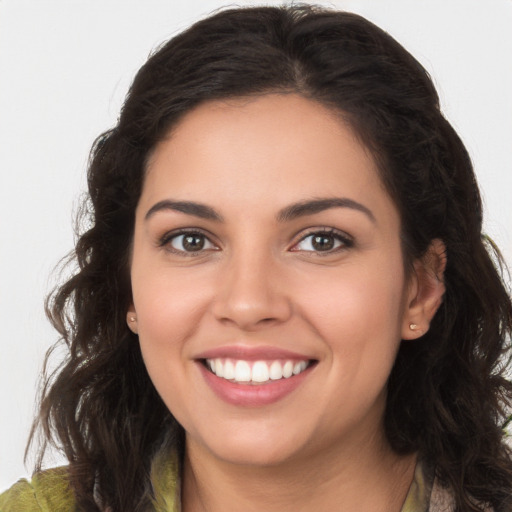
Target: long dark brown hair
(448, 397)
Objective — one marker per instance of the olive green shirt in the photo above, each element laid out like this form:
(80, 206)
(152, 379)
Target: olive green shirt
(49, 491)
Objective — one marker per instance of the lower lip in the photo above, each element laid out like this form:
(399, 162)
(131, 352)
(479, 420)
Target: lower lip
(253, 395)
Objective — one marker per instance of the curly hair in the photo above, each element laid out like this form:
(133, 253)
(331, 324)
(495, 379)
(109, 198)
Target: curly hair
(448, 395)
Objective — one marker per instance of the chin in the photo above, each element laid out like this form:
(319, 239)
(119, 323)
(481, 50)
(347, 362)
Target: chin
(259, 449)
(258, 456)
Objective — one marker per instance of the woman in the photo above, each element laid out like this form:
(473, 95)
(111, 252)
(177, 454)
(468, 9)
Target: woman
(284, 298)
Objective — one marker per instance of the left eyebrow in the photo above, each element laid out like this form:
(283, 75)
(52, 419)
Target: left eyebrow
(313, 206)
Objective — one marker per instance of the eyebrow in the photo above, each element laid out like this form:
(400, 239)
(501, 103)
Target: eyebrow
(189, 207)
(291, 212)
(319, 205)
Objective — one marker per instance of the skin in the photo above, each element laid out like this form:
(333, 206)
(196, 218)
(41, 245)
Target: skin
(259, 281)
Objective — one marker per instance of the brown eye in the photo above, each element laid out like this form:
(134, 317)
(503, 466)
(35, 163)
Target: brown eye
(323, 241)
(191, 242)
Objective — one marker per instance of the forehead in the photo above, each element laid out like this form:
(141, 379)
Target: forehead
(260, 118)
(282, 146)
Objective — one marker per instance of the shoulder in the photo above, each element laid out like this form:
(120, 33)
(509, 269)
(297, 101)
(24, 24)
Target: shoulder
(441, 499)
(48, 491)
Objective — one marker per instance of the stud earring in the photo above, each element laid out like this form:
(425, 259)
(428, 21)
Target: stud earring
(413, 327)
(132, 319)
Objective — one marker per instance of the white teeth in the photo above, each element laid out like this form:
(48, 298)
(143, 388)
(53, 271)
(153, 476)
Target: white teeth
(299, 367)
(276, 371)
(259, 372)
(287, 369)
(219, 368)
(229, 370)
(242, 371)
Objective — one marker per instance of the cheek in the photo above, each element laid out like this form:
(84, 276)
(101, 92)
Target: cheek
(168, 306)
(363, 299)
(358, 314)
(360, 327)
(168, 315)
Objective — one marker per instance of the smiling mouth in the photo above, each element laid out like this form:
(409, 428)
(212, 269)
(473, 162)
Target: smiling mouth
(256, 372)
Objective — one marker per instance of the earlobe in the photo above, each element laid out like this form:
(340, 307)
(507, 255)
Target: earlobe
(426, 291)
(131, 319)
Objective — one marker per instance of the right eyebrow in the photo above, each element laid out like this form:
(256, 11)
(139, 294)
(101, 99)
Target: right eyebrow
(318, 205)
(189, 207)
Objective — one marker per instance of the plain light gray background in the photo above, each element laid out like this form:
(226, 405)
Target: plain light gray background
(65, 67)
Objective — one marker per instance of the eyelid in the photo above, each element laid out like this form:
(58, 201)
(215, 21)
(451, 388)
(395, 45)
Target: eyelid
(164, 241)
(346, 240)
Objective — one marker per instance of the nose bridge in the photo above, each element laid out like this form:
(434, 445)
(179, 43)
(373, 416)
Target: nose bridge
(249, 291)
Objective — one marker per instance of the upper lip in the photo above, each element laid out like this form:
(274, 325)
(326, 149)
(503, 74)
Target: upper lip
(247, 353)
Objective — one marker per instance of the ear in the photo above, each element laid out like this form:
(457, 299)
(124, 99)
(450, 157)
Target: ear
(426, 290)
(131, 319)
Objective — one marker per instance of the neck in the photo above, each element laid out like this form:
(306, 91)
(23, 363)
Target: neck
(372, 478)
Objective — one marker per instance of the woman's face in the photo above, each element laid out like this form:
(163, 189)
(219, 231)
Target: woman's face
(266, 248)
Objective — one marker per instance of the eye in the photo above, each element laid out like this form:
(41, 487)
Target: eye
(323, 241)
(187, 242)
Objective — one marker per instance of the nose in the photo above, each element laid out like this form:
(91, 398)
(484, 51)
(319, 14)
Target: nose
(252, 293)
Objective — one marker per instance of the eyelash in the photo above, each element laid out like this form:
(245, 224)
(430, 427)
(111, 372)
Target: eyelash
(167, 239)
(346, 242)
